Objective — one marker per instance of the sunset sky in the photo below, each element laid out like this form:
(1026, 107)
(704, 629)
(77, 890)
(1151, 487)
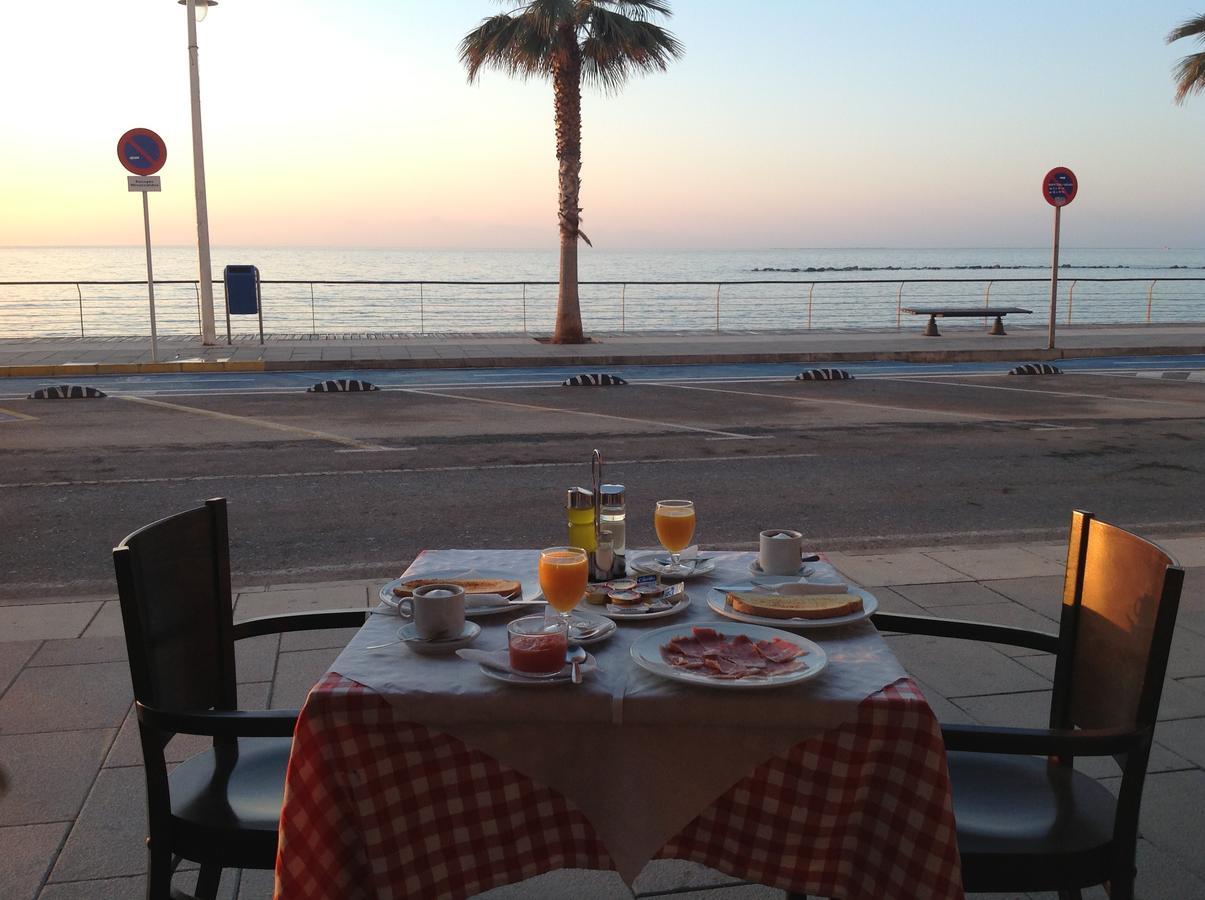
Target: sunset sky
(788, 123)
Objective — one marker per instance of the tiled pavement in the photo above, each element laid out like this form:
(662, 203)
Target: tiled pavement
(71, 827)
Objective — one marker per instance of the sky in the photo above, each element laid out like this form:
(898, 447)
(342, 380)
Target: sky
(787, 123)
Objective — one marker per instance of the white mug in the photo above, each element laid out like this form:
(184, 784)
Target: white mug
(780, 551)
(437, 610)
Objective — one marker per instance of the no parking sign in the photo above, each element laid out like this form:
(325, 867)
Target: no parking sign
(142, 151)
(1058, 189)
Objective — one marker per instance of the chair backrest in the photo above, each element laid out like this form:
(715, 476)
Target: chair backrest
(1120, 599)
(173, 577)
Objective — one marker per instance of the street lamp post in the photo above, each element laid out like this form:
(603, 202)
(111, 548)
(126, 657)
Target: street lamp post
(197, 10)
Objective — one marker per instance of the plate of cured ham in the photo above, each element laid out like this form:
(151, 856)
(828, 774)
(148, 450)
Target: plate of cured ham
(729, 655)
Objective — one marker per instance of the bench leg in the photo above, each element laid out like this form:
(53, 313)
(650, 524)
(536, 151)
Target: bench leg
(931, 328)
(998, 328)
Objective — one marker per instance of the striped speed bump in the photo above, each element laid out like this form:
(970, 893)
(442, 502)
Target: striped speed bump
(824, 375)
(336, 385)
(593, 379)
(66, 392)
(1035, 369)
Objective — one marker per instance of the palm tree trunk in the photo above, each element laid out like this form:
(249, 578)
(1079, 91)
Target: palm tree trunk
(566, 81)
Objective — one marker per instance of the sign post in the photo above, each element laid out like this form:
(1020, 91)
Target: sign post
(143, 152)
(1059, 188)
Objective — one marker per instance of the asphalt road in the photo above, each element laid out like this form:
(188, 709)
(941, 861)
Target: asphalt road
(326, 487)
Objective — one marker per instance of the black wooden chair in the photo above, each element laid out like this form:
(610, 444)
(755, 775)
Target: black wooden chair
(220, 808)
(1027, 820)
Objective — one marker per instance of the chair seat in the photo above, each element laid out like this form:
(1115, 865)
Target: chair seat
(1028, 822)
(220, 812)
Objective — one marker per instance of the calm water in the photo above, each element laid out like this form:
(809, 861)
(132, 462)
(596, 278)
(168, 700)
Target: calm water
(27, 310)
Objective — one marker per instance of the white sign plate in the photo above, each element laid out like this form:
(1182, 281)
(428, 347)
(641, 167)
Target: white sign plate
(143, 182)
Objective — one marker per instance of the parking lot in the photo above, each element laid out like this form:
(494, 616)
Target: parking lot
(325, 487)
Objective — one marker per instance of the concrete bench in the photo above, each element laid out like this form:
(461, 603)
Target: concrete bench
(934, 312)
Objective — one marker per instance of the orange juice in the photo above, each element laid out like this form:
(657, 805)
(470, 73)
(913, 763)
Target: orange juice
(563, 576)
(675, 526)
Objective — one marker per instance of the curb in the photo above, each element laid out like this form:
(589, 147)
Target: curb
(601, 359)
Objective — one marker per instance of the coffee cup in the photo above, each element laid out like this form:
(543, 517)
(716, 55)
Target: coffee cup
(437, 611)
(780, 551)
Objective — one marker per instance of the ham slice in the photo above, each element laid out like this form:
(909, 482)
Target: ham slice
(710, 653)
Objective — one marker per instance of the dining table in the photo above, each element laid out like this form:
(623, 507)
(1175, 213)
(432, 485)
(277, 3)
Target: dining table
(413, 775)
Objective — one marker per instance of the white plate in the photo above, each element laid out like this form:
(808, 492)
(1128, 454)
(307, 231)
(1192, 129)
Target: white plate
(646, 651)
(803, 572)
(647, 564)
(621, 614)
(606, 626)
(562, 677)
(387, 597)
(870, 603)
(409, 636)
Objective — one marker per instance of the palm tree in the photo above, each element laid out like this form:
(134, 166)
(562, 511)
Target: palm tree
(1189, 71)
(600, 42)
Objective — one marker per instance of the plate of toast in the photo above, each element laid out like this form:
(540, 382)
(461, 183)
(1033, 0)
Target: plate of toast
(795, 605)
(483, 595)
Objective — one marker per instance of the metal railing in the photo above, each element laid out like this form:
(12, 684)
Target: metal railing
(295, 307)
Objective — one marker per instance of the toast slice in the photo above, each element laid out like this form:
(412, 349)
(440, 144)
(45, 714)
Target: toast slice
(502, 586)
(781, 606)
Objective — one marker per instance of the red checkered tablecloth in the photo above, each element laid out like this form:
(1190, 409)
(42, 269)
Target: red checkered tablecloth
(378, 807)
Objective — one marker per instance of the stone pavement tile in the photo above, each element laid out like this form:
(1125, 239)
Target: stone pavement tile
(1189, 551)
(66, 698)
(107, 622)
(296, 673)
(1179, 701)
(28, 853)
(1187, 659)
(127, 749)
(1054, 551)
(317, 640)
(97, 889)
(1043, 594)
(308, 599)
(962, 668)
(50, 774)
(80, 650)
(1161, 876)
(108, 838)
(1023, 709)
(1185, 737)
(959, 593)
(874, 570)
(256, 884)
(985, 563)
(947, 713)
(1197, 684)
(892, 601)
(1171, 817)
(45, 620)
(255, 658)
(1013, 615)
(13, 656)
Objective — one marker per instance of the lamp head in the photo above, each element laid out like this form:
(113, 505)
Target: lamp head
(201, 7)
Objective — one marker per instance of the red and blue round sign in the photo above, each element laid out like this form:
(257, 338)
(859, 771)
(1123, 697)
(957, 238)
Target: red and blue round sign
(1059, 186)
(142, 151)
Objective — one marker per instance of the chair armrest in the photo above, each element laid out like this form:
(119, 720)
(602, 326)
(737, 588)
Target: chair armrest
(307, 621)
(971, 631)
(1041, 741)
(221, 723)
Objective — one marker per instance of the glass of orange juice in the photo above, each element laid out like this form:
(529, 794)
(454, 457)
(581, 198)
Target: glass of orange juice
(675, 524)
(564, 572)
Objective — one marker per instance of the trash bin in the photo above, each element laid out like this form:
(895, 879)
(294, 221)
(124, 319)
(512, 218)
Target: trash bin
(242, 296)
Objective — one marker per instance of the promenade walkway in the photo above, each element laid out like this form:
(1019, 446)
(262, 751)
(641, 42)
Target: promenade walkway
(960, 341)
(72, 824)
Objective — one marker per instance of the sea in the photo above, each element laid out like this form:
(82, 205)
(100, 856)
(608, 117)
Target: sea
(310, 292)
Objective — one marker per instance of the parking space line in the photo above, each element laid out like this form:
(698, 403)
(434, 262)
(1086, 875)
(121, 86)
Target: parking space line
(261, 423)
(578, 412)
(1018, 390)
(8, 415)
(829, 400)
(397, 470)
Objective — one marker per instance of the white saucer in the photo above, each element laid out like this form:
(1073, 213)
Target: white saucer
(440, 646)
(650, 564)
(600, 627)
(803, 571)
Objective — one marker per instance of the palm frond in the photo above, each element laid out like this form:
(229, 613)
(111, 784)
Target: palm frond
(1190, 76)
(517, 44)
(637, 9)
(1191, 28)
(617, 46)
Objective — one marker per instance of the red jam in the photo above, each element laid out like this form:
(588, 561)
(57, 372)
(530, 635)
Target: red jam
(539, 654)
